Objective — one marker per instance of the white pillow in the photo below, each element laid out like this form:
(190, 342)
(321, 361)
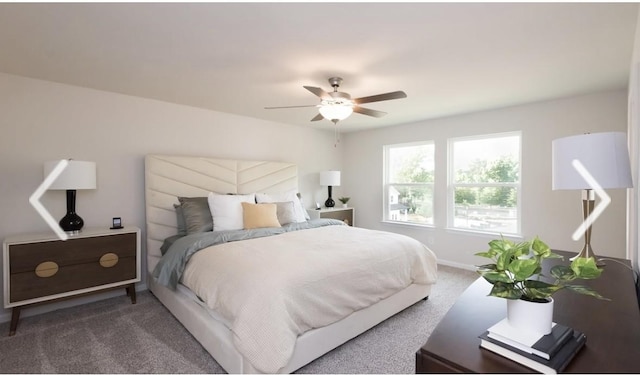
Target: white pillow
(288, 196)
(226, 210)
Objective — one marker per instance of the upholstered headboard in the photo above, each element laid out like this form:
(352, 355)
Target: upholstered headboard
(169, 177)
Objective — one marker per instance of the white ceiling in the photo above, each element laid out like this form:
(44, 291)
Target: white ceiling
(449, 58)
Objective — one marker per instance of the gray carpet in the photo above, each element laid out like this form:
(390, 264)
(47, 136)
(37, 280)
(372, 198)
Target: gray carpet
(114, 336)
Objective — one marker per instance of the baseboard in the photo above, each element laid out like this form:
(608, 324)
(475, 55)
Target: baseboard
(5, 315)
(463, 266)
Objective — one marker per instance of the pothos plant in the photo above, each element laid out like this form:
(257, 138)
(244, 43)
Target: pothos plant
(517, 271)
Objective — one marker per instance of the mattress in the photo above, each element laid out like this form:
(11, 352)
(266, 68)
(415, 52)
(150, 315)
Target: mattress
(270, 290)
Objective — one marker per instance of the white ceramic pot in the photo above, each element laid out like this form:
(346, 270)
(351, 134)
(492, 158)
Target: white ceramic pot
(531, 316)
(344, 205)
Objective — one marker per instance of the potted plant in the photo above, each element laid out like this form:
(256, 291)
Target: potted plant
(516, 274)
(344, 201)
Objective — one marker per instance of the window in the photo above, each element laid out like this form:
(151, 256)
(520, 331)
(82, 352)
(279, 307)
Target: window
(409, 180)
(484, 183)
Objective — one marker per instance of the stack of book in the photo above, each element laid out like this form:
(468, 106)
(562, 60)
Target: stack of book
(548, 354)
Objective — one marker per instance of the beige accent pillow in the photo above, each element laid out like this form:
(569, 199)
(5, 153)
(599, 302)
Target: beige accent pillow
(263, 215)
(288, 196)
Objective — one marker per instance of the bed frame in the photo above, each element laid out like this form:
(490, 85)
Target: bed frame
(168, 177)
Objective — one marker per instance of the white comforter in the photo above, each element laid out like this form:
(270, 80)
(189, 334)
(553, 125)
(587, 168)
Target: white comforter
(273, 289)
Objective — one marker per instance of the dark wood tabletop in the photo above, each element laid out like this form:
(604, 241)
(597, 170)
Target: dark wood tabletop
(612, 327)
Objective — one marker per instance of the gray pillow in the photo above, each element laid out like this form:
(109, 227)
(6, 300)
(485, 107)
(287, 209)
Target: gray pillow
(182, 226)
(196, 213)
(285, 212)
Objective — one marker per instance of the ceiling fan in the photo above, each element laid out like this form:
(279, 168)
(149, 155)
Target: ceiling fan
(335, 105)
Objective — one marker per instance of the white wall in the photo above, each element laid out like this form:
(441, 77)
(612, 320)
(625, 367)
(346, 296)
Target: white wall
(633, 224)
(42, 121)
(553, 215)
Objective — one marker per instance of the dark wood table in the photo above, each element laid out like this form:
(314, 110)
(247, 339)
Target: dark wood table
(612, 327)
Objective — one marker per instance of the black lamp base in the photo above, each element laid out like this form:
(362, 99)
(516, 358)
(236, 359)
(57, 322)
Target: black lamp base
(71, 222)
(329, 202)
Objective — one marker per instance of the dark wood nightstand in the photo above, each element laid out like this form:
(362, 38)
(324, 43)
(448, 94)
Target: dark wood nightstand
(612, 327)
(42, 268)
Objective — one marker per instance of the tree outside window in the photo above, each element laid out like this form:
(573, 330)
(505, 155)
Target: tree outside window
(485, 183)
(409, 178)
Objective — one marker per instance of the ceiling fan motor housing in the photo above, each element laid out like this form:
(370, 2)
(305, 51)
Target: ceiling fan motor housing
(338, 97)
(335, 82)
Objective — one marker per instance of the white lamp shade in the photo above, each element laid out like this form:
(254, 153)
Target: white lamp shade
(77, 175)
(604, 155)
(335, 111)
(330, 178)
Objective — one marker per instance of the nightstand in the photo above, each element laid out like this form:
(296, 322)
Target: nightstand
(40, 267)
(346, 214)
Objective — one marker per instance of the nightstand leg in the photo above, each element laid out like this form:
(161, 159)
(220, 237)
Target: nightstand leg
(131, 292)
(15, 316)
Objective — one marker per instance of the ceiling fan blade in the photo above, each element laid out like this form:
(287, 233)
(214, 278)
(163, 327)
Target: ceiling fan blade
(317, 118)
(317, 91)
(293, 106)
(368, 112)
(380, 97)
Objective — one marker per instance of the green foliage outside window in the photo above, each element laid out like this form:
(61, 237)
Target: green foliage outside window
(504, 169)
(415, 167)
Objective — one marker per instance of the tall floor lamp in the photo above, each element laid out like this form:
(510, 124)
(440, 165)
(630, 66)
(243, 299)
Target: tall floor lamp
(77, 175)
(330, 179)
(604, 156)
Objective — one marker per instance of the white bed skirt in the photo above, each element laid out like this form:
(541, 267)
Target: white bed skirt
(216, 338)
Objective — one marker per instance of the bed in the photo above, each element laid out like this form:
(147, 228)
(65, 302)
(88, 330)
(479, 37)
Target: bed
(224, 330)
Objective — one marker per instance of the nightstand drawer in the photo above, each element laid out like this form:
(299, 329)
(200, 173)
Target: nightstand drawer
(41, 269)
(28, 285)
(26, 257)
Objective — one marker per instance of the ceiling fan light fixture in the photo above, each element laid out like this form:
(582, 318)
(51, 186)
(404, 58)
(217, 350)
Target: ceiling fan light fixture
(335, 111)
(336, 105)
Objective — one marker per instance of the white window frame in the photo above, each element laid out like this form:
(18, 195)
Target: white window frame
(451, 185)
(387, 185)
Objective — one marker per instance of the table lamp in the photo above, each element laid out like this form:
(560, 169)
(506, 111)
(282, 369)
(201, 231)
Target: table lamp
(330, 179)
(606, 159)
(77, 175)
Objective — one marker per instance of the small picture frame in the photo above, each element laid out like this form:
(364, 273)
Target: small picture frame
(117, 223)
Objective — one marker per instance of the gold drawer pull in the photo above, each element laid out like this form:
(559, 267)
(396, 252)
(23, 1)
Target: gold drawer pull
(108, 260)
(46, 269)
